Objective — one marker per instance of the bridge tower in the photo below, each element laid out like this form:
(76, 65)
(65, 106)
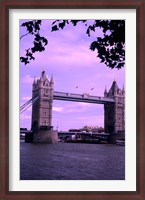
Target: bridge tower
(114, 114)
(41, 123)
(42, 108)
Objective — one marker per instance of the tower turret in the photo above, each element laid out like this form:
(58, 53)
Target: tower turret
(51, 82)
(43, 75)
(105, 92)
(34, 83)
(123, 90)
(113, 90)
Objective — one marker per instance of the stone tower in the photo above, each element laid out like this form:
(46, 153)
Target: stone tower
(114, 114)
(42, 108)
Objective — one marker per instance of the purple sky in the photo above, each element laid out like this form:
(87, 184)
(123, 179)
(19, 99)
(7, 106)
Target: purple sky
(68, 58)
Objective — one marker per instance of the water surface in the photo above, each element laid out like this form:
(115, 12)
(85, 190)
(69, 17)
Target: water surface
(70, 161)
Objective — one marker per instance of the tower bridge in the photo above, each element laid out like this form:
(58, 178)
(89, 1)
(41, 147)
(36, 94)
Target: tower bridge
(43, 95)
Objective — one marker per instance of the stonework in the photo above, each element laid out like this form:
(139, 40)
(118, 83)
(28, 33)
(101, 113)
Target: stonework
(43, 136)
(41, 123)
(114, 114)
(42, 108)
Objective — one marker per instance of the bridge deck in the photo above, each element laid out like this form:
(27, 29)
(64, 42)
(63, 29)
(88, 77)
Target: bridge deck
(86, 98)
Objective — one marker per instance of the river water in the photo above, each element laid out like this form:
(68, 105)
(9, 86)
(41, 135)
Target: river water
(71, 161)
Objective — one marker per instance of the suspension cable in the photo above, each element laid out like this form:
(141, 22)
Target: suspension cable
(28, 104)
(25, 104)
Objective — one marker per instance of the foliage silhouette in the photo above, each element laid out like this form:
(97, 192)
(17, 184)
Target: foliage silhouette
(110, 48)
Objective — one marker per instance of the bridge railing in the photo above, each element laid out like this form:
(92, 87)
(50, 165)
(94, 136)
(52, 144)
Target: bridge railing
(82, 96)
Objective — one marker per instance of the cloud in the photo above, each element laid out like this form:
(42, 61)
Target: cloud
(69, 46)
(75, 107)
(26, 98)
(64, 56)
(25, 117)
(92, 120)
(93, 116)
(57, 109)
(78, 122)
(27, 79)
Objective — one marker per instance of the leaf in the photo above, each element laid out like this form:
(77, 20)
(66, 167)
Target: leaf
(83, 21)
(24, 24)
(37, 28)
(45, 41)
(74, 22)
(25, 60)
(39, 21)
(54, 22)
(120, 65)
(30, 29)
(88, 32)
(62, 24)
(93, 46)
(54, 28)
(110, 47)
(92, 28)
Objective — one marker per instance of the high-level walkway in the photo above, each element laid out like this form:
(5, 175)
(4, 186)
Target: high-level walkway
(82, 98)
(86, 98)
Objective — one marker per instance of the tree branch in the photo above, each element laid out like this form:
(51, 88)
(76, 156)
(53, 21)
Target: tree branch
(24, 35)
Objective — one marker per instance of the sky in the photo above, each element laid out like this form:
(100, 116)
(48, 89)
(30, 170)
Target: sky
(68, 58)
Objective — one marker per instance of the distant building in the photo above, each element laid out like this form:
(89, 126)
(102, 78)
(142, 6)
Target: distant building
(74, 130)
(94, 129)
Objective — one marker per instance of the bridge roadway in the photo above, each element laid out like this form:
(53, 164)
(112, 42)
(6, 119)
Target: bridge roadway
(86, 98)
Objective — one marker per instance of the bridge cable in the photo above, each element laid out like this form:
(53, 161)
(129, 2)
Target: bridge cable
(25, 104)
(28, 104)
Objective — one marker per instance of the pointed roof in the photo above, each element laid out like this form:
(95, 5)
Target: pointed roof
(123, 88)
(34, 82)
(43, 73)
(114, 88)
(105, 91)
(43, 76)
(51, 80)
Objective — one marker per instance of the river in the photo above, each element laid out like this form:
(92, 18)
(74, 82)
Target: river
(71, 161)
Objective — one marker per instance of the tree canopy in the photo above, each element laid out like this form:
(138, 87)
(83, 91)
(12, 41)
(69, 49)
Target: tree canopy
(110, 48)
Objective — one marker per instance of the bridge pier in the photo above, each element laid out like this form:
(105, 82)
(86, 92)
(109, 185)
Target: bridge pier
(116, 136)
(45, 136)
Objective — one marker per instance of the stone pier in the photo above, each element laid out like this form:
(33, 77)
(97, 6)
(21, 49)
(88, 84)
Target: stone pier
(45, 136)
